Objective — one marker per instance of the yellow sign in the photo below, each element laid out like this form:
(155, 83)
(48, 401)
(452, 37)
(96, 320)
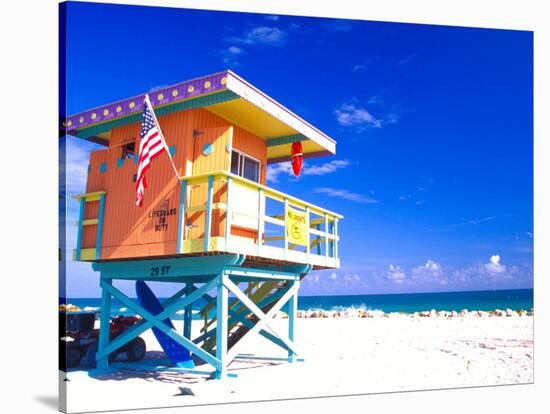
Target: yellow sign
(296, 227)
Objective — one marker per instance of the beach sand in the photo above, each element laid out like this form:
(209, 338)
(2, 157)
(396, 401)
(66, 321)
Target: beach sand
(341, 357)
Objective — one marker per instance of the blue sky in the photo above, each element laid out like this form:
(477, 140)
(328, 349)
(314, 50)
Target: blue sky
(434, 163)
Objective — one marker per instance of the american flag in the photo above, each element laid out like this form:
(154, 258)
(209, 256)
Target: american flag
(152, 144)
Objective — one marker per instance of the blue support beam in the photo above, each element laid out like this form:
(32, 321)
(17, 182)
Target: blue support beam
(138, 328)
(167, 268)
(292, 311)
(158, 322)
(242, 313)
(220, 273)
(104, 326)
(188, 313)
(269, 336)
(221, 326)
(264, 319)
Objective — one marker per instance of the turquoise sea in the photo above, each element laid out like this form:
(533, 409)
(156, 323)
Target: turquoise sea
(405, 302)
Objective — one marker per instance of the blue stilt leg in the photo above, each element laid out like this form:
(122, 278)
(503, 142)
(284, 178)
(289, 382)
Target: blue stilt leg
(188, 314)
(292, 310)
(221, 327)
(104, 328)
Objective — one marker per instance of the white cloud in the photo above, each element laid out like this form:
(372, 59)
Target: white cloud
(430, 272)
(432, 266)
(396, 274)
(235, 50)
(263, 35)
(230, 55)
(474, 222)
(351, 115)
(75, 169)
(275, 170)
(405, 197)
(352, 277)
(76, 163)
(326, 168)
(333, 276)
(494, 265)
(346, 195)
(375, 100)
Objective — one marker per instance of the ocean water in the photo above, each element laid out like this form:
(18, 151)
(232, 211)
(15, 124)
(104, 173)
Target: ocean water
(406, 302)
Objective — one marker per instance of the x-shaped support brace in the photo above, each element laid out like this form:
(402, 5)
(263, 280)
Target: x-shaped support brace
(150, 320)
(240, 316)
(264, 319)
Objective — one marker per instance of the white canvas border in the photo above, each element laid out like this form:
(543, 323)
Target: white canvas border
(29, 179)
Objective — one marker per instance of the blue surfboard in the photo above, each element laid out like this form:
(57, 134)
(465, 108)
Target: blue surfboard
(178, 354)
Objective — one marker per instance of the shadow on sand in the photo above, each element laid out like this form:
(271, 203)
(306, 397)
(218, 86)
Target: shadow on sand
(152, 358)
(50, 401)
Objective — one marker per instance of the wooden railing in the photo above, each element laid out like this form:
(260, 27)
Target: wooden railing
(247, 227)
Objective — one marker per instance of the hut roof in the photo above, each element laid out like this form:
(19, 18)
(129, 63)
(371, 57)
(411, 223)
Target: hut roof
(224, 94)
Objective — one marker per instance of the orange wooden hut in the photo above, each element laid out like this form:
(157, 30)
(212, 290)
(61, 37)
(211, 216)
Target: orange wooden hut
(218, 221)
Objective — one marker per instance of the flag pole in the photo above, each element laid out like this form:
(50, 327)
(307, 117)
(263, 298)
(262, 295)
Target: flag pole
(148, 102)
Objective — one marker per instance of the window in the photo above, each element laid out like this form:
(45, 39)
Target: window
(245, 166)
(128, 150)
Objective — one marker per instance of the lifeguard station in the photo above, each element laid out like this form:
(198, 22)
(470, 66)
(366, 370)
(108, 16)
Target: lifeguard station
(237, 247)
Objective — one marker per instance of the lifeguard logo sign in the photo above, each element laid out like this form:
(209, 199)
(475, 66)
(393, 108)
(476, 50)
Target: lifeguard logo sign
(296, 228)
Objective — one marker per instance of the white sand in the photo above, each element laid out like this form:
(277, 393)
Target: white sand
(342, 356)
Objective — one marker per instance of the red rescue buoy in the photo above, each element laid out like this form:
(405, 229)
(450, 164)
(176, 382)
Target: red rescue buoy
(297, 157)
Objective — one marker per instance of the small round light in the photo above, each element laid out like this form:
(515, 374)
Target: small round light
(224, 80)
(105, 112)
(118, 109)
(207, 149)
(160, 97)
(207, 84)
(132, 104)
(94, 115)
(175, 93)
(69, 123)
(81, 119)
(190, 89)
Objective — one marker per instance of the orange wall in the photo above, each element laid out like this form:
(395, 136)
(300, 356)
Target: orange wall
(129, 231)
